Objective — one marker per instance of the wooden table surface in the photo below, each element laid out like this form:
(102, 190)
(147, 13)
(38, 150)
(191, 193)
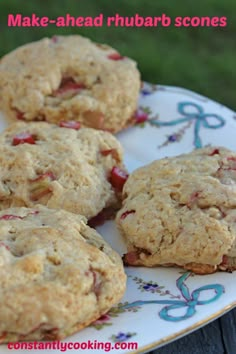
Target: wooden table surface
(218, 337)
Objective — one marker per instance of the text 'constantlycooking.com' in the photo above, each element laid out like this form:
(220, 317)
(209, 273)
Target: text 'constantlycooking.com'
(66, 346)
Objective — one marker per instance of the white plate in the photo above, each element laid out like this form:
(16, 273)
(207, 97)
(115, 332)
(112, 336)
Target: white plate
(161, 304)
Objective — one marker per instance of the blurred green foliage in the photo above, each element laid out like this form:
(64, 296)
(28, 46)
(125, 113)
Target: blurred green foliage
(200, 58)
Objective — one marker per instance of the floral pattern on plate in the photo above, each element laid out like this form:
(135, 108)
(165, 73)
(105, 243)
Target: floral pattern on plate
(187, 300)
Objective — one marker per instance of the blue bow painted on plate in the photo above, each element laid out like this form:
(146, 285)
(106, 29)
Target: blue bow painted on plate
(201, 119)
(190, 300)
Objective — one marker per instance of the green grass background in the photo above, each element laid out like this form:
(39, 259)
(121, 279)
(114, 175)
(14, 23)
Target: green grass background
(201, 59)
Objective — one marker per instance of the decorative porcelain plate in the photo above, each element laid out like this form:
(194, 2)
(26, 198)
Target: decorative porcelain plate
(162, 304)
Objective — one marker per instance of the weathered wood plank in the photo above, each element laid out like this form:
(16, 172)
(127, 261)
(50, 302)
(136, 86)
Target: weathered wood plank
(228, 329)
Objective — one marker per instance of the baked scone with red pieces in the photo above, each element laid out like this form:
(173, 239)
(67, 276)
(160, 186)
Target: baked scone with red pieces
(61, 167)
(57, 274)
(182, 211)
(70, 78)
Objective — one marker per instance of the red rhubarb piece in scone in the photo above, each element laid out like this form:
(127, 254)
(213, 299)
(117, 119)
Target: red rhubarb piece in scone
(19, 115)
(40, 186)
(10, 217)
(47, 175)
(2, 337)
(115, 56)
(224, 260)
(107, 152)
(215, 152)
(2, 244)
(97, 283)
(67, 85)
(130, 258)
(118, 178)
(126, 213)
(23, 138)
(113, 152)
(71, 124)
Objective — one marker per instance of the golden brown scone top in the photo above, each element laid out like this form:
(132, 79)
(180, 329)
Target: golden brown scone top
(69, 78)
(58, 167)
(57, 275)
(182, 211)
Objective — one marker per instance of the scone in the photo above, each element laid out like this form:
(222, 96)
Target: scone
(57, 275)
(182, 211)
(79, 170)
(70, 78)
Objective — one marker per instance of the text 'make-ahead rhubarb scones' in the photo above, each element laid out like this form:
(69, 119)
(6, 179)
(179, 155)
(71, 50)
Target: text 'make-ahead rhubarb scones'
(70, 78)
(62, 167)
(182, 211)
(57, 275)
